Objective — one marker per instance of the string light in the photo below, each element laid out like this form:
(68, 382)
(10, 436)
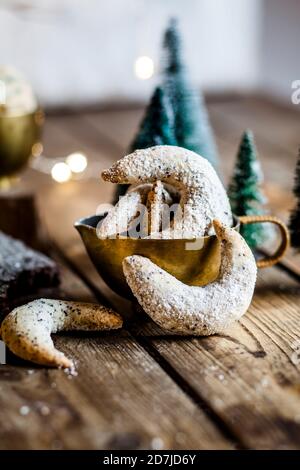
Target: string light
(61, 172)
(73, 166)
(144, 67)
(77, 162)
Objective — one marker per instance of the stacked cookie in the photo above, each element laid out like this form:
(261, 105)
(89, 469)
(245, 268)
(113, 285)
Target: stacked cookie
(190, 185)
(164, 179)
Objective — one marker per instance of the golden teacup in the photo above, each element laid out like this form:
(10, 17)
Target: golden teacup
(194, 262)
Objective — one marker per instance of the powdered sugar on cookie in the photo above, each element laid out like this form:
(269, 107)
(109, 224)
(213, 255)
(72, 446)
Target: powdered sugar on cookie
(203, 197)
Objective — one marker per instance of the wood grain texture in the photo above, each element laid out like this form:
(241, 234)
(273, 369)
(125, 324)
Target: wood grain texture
(239, 389)
(247, 375)
(238, 354)
(121, 398)
(250, 374)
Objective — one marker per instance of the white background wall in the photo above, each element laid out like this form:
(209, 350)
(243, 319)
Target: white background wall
(78, 51)
(83, 51)
(280, 47)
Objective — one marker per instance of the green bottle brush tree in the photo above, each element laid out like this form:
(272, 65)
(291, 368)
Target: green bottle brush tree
(191, 123)
(245, 194)
(176, 114)
(156, 128)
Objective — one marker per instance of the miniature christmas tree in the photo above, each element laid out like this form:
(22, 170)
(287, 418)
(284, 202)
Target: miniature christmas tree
(156, 128)
(294, 224)
(244, 191)
(191, 123)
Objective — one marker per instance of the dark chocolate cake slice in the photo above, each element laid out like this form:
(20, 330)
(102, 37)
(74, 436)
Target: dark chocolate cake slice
(23, 272)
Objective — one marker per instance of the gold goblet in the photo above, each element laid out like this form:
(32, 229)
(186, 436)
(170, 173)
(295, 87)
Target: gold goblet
(19, 139)
(20, 124)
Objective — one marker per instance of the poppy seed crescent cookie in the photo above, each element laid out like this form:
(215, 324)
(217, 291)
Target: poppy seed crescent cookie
(192, 310)
(203, 197)
(26, 330)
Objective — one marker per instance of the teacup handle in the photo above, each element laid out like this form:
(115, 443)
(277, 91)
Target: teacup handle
(285, 237)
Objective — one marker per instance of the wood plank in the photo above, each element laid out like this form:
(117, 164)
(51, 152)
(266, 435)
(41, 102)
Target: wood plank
(75, 133)
(115, 393)
(234, 356)
(246, 377)
(249, 375)
(253, 378)
(278, 129)
(272, 121)
(117, 126)
(121, 398)
(277, 154)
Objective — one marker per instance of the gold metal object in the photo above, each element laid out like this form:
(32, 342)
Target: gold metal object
(19, 138)
(284, 233)
(198, 266)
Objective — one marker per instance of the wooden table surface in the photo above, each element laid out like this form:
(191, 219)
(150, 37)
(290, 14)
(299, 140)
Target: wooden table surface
(140, 388)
